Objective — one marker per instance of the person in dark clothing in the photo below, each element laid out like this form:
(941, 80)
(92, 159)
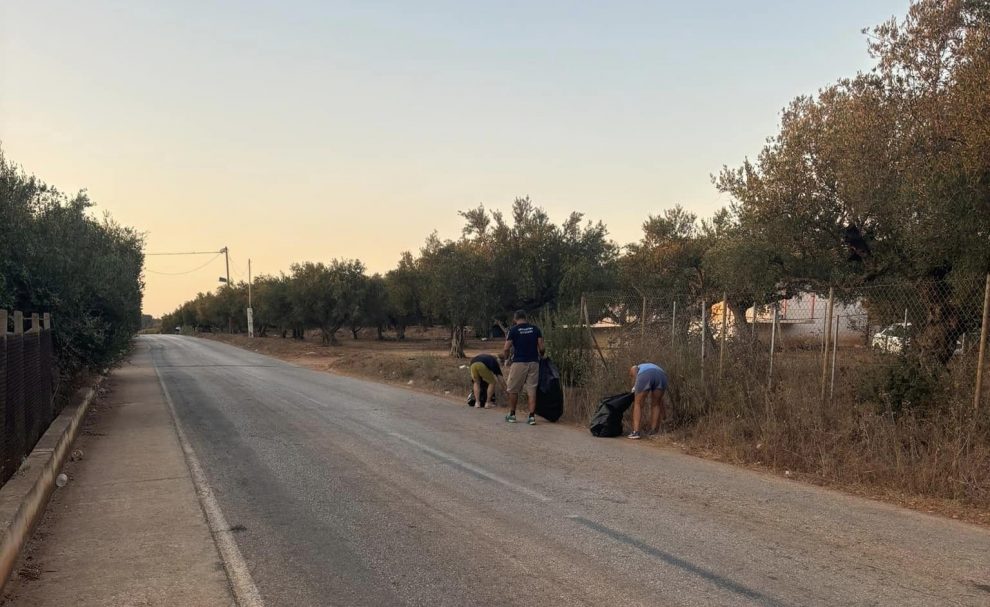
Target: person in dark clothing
(526, 344)
(486, 368)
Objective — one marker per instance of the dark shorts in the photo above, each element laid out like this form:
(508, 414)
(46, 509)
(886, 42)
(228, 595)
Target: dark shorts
(650, 380)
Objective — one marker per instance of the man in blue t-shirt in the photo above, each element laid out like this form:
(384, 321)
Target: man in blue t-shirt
(526, 342)
(651, 383)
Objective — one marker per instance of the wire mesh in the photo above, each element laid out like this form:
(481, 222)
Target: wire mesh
(861, 344)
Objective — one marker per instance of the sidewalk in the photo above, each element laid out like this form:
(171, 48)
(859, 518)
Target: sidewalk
(128, 529)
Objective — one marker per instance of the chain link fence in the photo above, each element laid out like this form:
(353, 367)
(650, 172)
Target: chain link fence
(879, 385)
(26, 386)
(834, 344)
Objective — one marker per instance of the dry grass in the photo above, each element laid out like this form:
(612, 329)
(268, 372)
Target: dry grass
(931, 455)
(420, 361)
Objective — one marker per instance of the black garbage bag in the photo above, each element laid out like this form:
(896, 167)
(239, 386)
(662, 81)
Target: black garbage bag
(607, 420)
(484, 395)
(549, 392)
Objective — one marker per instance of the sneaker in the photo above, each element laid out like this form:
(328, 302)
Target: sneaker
(511, 418)
(531, 420)
(633, 435)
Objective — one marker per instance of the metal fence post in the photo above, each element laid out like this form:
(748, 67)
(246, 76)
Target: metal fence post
(835, 348)
(721, 337)
(704, 327)
(704, 335)
(673, 322)
(773, 343)
(642, 320)
(826, 336)
(752, 327)
(591, 332)
(978, 392)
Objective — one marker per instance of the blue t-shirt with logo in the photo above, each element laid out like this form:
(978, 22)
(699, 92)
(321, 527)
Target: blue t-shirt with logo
(525, 346)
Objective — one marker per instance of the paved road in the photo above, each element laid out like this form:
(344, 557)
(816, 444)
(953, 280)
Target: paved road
(346, 492)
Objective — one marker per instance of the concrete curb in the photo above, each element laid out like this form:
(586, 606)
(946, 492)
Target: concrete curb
(24, 497)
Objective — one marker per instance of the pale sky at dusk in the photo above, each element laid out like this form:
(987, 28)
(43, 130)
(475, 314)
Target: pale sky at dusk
(305, 130)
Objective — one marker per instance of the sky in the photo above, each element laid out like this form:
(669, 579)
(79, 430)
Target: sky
(306, 130)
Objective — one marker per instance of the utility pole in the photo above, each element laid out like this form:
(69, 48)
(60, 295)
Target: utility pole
(250, 310)
(226, 257)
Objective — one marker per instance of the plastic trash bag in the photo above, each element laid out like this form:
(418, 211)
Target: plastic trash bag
(549, 392)
(607, 420)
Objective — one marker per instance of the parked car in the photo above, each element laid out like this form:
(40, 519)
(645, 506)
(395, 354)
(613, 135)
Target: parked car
(892, 339)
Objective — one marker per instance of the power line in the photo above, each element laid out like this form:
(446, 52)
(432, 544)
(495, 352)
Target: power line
(189, 253)
(212, 259)
(236, 266)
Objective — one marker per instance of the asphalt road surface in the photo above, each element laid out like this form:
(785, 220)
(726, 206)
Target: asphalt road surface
(348, 492)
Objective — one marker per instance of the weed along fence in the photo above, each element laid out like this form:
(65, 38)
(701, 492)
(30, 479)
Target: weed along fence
(27, 374)
(882, 384)
(831, 344)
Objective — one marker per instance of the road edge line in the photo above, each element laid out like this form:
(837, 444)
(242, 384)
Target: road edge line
(238, 574)
(31, 487)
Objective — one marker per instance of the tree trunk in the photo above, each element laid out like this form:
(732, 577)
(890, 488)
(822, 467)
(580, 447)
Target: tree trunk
(943, 324)
(457, 341)
(738, 309)
(400, 331)
(381, 333)
(355, 331)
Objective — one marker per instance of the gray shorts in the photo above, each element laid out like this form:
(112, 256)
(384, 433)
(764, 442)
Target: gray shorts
(650, 380)
(523, 376)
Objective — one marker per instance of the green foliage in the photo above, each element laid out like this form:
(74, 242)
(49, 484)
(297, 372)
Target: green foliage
(271, 304)
(405, 286)
(568, 344)
(326, 296)
(55, 257)
(902, 386)
(532, 263)
(456, 285)
(373, 306)
(884, 175)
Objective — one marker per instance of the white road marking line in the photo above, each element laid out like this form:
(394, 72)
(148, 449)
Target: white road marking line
(446, 456)
(475, 469)
(245, 592)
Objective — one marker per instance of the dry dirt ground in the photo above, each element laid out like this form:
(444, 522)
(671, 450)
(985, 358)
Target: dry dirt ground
(421, 362)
